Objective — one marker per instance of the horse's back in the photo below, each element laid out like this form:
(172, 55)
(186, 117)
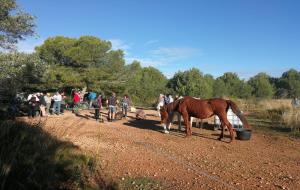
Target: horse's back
(196, 107)
(203, 108)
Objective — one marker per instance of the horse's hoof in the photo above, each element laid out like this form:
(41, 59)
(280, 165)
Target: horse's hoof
(166, 132)
(220, 138)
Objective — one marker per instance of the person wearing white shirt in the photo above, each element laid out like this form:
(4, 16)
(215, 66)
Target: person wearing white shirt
(57, 102)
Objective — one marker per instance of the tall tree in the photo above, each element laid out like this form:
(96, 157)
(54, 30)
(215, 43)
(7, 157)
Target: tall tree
(219, 88)
(290, 81)
(234, 86)
(15, 24)
(88, 51)
(261, 85)
(53, 50)
(152, 83)
(192, 83)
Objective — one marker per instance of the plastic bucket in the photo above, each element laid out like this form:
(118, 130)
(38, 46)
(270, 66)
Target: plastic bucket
(243, 134)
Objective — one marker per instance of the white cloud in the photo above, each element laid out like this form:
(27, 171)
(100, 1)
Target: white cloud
(174, 53)
(150, 42)
(120, 44)
(163, 56)
(27, 46)
(145, 62)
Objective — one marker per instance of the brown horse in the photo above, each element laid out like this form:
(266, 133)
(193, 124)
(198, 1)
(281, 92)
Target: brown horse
(191, 107)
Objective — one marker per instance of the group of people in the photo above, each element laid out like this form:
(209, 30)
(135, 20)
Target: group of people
(44, 102)
(112, 106)
(40, 102)
(97, 101)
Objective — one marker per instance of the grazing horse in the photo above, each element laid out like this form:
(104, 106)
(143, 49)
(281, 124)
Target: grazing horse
(167, 121)
(191, 107)
(169, 107)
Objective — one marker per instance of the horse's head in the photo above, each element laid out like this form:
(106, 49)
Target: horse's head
(164, 114)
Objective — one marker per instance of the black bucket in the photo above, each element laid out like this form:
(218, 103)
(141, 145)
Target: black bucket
(243, 134)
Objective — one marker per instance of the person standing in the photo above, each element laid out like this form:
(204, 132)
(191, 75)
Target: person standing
(57, 102)
(48, 102)
(92, 97)
(112, 106)
(63, 103)
(33, 102)
(43, 104)
(98, 106)
(76, 100)
(125, 105)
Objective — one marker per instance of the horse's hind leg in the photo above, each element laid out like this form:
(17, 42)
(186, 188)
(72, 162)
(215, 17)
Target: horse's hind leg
(187, 124)
(222, 131)
(224, 122)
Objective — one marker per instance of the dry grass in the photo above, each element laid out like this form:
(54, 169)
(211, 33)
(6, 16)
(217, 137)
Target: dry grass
(291, 118)
(258, 105)
(275, 114)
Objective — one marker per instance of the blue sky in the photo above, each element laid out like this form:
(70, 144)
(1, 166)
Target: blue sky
(215, 36)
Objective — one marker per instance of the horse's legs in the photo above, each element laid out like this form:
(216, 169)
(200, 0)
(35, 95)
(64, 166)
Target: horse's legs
(171, 120)
(179, 120)
(222, 130)
(165, 127)
(224, 121)
(187, 124)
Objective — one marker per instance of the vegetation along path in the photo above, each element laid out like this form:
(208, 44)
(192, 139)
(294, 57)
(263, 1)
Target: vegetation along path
(136, 154)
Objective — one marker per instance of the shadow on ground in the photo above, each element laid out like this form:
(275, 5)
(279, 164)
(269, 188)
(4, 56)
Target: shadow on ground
(31, 158)
(145, 124)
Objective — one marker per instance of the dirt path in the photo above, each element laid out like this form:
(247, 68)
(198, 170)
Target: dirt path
(136, 148)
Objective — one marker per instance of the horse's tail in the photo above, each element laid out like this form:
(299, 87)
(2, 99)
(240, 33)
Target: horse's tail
(238, 112)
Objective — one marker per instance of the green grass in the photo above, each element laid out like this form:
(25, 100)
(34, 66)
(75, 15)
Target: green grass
(32, 159)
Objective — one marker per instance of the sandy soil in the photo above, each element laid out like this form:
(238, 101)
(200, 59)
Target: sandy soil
(138, 148)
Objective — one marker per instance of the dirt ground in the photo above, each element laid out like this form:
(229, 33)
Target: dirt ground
(137, 148)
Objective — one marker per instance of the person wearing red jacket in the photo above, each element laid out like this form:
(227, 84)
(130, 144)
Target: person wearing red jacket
(76, 100)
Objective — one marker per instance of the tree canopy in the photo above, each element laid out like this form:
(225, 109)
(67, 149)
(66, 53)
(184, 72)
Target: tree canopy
(15, 24)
